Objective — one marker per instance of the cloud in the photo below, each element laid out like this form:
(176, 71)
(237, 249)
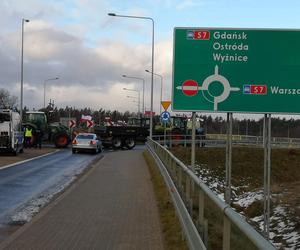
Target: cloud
(187, 4)
(89, 74)
(50, 52)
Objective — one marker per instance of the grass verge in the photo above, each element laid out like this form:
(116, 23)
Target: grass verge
(171, 228)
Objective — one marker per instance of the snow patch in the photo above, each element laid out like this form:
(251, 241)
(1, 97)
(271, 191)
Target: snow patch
(25, 212)
(248, 198)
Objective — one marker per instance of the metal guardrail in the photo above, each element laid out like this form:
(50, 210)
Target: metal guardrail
(219, 140)
(207, 221)
(275, 141)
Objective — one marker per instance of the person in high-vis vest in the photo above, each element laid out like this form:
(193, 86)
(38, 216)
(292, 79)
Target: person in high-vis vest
(28, 137)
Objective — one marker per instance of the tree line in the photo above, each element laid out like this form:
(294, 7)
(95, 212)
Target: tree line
(281, 127)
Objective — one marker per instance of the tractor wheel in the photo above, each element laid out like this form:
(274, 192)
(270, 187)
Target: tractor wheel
(61, 140)
(130, 143)
(116, 142)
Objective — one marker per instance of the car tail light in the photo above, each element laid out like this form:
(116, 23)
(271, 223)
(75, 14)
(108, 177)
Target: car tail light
(74, 141)
(93, 142)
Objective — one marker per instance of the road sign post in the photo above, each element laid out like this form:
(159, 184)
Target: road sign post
(193, 146)
(165, 118)
(236, 70)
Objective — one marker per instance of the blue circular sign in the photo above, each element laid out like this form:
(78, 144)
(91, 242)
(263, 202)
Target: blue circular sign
(165, 116)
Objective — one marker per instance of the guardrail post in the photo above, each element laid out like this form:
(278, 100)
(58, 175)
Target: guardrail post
(180, 181)
(187, 190)
(201, 212)
(226, 233)
(175, 173)
(192, 190)
(205, 234)
(170, 169)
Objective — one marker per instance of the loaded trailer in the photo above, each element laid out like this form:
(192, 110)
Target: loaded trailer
(118, 136)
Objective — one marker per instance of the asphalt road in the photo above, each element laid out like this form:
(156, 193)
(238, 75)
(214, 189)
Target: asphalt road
(26, 187)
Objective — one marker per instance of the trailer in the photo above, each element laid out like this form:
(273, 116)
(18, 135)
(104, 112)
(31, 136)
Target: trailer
(117, 136)
(11, 134)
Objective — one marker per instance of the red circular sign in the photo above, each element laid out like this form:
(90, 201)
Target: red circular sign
(190, 88)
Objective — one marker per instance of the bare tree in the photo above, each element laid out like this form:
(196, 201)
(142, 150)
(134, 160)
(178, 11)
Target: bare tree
(7, 100)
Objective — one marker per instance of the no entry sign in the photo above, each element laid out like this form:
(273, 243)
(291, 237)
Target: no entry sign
(189, 88)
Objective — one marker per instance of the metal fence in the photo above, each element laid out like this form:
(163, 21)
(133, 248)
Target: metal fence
(219, 140)
(207, 221)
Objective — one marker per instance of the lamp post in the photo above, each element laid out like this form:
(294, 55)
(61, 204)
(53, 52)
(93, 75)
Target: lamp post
(139, 78)
(152, 64)
(50, 79)
(138, 102)
(22, 49)
(135, 90)
(161, 87)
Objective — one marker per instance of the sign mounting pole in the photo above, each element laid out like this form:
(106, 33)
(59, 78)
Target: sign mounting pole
(193, 140)
(165, 134)
(227, 224)
(267, 173)
(228, 159)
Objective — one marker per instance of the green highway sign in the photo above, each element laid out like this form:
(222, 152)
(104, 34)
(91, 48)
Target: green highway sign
(236, 70)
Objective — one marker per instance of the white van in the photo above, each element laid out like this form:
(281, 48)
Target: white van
(11, 135)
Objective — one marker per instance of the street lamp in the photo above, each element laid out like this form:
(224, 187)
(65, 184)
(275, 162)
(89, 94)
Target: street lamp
(139, 78)
(135, 98)
(50, 79)
(22, 49)
(152, 64)
(161, 87)
(135, 90)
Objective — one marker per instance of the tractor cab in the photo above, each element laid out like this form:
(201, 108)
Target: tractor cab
(36, 119)
(143, 122)
(178, 123)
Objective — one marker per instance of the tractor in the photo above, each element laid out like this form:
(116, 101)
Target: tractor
(52, 132)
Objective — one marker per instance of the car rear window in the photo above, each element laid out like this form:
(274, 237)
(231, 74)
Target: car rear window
(88, 137)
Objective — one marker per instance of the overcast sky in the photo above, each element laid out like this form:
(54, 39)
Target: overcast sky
(89, 51)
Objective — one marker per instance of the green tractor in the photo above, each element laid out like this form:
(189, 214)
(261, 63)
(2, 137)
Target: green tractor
(52, 132)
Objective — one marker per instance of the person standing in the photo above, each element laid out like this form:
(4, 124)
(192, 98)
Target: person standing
(38, 138)
(28, 137)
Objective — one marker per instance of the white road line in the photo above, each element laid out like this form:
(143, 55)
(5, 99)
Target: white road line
(189, 87)
(27, 160)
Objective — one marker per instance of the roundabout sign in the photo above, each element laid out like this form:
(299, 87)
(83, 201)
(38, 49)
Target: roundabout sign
(190, 88)
(165, 116)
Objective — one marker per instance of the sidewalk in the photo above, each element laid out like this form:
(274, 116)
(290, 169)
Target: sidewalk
(112, 207)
